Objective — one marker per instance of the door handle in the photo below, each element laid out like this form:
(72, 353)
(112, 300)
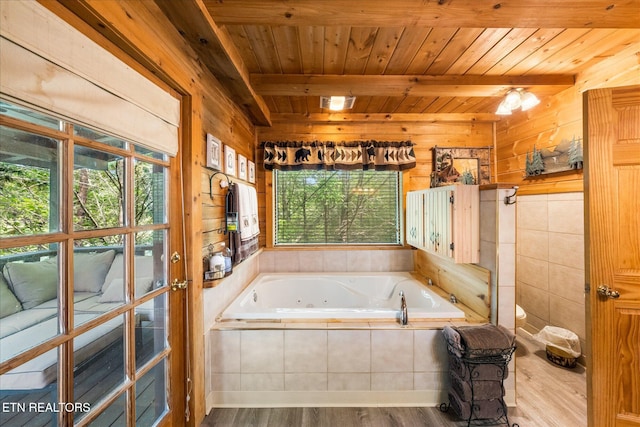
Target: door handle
(177, 284)
(607, 292)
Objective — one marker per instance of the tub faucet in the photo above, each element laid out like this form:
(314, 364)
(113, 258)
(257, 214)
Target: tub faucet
(404, 317)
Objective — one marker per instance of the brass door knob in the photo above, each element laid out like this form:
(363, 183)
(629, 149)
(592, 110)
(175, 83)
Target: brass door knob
(607, 292)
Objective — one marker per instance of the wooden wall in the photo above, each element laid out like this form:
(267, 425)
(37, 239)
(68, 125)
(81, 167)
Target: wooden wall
(556, 118)
(235, 130)
(424, 134)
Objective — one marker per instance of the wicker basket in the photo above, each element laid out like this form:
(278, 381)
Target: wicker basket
(560, 357)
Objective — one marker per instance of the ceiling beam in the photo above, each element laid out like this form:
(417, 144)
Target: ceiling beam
(395, 85)
(384, 117)
(217, 52)
(430, 13)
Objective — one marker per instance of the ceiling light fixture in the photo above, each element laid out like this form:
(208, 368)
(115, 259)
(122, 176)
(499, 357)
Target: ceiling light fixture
(517, 98)
(337, 103)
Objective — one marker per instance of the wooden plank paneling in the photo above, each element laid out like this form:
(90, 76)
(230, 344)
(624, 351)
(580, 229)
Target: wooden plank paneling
(311, 45)
(384, 49)
(547, 124)
(468, 282)
(336, 43)
(350, 51)
(361, 41)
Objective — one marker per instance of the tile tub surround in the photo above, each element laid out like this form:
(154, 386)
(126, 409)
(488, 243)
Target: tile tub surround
(329, 364)
(322, 364)
(291, 260)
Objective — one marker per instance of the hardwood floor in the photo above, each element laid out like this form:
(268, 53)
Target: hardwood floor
(548, 396)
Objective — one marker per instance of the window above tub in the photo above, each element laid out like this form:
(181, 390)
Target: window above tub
(337, 207)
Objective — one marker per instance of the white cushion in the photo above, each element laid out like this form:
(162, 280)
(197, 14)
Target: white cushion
(33, 282)
(42, 370)
(23, 320)
(93, 305)
(143, 268)
(114, 292)
(90, 269)
(9, 304)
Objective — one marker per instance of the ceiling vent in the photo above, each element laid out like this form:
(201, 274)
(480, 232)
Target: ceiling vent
(337, 103)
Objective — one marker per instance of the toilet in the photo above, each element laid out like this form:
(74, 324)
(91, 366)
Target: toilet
(521, 317)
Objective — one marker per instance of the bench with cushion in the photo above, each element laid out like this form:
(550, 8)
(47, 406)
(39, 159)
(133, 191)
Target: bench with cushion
(29, 310)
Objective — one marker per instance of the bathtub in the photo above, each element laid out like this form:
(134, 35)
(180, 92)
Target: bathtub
(302, 296)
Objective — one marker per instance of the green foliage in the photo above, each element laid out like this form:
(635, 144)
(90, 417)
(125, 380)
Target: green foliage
(29, 200)
(24, 200)
(336, 207)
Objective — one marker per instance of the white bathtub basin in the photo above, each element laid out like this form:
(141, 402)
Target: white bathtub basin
(278, 296)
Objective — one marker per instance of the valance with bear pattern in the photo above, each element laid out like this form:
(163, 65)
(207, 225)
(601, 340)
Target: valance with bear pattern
(365, 155)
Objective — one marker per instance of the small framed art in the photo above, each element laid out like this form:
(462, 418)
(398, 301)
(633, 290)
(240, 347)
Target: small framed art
(252, 172)
(229, 160)
(242, 167)
(214, 147)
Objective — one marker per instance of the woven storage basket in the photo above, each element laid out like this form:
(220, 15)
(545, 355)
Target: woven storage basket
(560, 357)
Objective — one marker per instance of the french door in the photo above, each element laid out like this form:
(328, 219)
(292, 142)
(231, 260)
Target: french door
(87, 251)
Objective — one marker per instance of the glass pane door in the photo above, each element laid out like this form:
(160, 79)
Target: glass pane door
(84, 295)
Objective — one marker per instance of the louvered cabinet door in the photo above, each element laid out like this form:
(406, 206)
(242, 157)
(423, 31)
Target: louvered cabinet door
(445, 221)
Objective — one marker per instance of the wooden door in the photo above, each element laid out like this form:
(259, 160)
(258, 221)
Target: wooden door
(612, 241)
(178, 331)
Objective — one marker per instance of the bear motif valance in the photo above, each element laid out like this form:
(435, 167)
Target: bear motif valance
(365, 155)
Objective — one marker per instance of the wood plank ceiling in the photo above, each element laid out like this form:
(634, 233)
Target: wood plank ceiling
(454, 57)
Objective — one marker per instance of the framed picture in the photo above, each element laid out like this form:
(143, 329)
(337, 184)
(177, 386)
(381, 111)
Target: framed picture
(242, 167)
(461, 165)
(214, 147)
(252, 172)
(566, 156)
(229, 160)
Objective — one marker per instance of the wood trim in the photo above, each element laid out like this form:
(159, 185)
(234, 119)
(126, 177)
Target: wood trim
(408, 13)
(215, 48)
(385, 118)
(405, 85)
(192, 219)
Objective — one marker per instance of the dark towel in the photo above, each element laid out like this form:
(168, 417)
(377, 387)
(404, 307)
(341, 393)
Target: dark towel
(454, 342)
(476, 389)
(478, 371)
(486, 337)
(482, 409)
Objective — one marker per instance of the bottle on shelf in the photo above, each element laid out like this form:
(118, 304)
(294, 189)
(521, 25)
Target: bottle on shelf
(228, 264)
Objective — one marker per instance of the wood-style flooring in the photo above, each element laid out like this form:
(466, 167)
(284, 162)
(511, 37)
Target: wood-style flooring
(547, 395)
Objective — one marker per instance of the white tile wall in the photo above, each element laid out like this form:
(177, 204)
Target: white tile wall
(261, 351)
(550, 261)
(375, 366)
(429, 355)
(392, 351)
(290, 261)
(327, 359)
(349, 351)
(498, 252)
(305, 351)
(349, 381)
(305, 382)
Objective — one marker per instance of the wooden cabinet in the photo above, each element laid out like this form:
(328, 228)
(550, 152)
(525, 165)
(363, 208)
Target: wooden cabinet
(445, 221)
